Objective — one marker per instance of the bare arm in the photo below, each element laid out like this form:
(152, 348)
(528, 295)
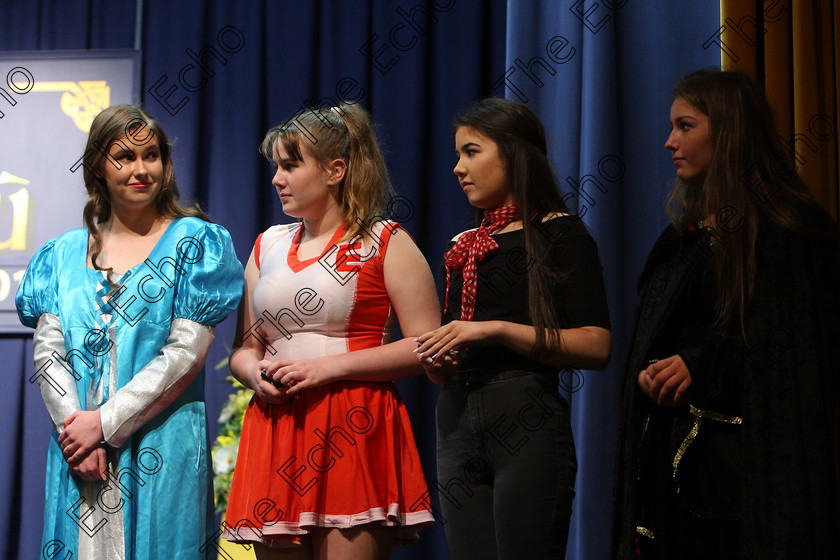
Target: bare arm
(249, 346)
(581, 347)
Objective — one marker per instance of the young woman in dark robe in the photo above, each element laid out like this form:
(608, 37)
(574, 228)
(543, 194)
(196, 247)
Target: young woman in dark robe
(728, 436)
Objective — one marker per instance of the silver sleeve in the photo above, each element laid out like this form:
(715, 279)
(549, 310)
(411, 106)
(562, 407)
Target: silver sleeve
(159, 383)
(54, 374)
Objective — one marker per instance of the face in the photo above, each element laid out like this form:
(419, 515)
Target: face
(690, 142)
(480, 170)
(137, 181)
(305, 189)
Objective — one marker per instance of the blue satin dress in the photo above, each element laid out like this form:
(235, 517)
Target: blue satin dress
(157, 502)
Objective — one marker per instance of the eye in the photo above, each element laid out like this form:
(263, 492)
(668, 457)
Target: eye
(123, 156)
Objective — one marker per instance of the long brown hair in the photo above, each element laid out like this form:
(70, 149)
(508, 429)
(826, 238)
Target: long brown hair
(138, 128)
(750, 181)
(520, 137)
(344, 132)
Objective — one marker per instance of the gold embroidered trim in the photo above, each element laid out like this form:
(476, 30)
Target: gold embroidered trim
(699, 415)
(692, 433)
(715, 415)
(645, 532)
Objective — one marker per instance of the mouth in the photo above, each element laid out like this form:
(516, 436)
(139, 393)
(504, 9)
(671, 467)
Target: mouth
(139, 186)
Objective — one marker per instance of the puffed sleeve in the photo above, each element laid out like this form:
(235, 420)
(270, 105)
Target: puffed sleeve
(212, 285)
(38, 289)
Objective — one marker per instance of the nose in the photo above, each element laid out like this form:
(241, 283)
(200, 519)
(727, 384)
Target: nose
(279, 179)
(459, 170)
(671, 142)
(140, 169)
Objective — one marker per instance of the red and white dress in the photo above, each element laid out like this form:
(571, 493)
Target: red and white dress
(342, 454)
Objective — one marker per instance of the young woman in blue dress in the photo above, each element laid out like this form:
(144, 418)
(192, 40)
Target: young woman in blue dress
(124, 313)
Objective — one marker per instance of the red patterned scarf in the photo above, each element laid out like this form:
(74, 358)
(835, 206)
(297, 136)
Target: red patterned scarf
(471, 247)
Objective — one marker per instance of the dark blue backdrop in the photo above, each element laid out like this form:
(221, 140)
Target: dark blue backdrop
(598, 73)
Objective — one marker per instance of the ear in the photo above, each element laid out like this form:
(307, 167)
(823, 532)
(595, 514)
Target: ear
(336, 171)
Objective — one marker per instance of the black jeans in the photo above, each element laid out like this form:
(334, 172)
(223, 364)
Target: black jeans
(506, 466)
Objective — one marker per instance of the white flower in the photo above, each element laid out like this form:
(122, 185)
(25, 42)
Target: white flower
(224, 458)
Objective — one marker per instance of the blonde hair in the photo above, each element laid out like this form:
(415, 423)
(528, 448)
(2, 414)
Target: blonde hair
(344, 132)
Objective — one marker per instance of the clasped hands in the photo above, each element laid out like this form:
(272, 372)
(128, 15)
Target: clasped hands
(666, 381)
(439, 350)
(276, 382)
(81, 444)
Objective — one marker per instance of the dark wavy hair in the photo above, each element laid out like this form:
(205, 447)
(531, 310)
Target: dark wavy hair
(750, 181)
(137, 127)
(520, 137)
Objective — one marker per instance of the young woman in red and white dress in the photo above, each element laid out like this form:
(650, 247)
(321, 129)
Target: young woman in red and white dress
(327, 464)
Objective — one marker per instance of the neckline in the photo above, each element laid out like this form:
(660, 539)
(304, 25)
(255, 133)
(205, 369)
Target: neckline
(152, 252)
(523, 229)
(292, 258)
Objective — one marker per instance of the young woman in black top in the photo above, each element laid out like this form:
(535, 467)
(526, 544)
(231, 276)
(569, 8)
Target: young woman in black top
(524, 298)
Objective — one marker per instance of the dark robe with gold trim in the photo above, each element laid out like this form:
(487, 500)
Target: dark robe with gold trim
(748, 465)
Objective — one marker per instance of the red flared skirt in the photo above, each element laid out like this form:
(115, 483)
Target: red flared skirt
(337, 456)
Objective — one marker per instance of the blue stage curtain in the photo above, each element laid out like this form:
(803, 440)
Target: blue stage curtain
(605, 106)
